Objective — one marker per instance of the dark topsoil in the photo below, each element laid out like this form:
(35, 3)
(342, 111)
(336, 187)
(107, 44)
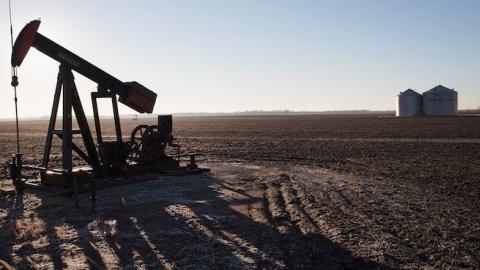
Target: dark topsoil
(440, 154)
(417, 179)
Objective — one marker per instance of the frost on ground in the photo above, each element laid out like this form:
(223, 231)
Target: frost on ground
(243, 216)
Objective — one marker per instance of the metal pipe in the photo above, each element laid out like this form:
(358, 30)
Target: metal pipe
(14, 80)
(16, 120)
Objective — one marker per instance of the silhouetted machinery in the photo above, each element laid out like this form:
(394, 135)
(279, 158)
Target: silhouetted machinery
(150, 148)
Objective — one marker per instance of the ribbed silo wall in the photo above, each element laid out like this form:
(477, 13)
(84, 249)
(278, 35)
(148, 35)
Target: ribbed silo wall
(409, 105)
(441, 103)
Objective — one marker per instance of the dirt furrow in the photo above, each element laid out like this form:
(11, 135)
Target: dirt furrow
(292, 239)
(384, 242)
(276, 209)
(312, 208)
(298, 216)
(338, 217)
(307, 239)
(258, 213)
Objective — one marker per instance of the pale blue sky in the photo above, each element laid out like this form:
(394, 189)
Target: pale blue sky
(224, 56)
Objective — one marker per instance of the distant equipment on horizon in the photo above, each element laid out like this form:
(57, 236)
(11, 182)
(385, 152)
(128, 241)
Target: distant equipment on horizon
(438, 101)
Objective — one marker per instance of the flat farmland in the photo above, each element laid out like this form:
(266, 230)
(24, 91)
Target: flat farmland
(295, 192)
(438, 153)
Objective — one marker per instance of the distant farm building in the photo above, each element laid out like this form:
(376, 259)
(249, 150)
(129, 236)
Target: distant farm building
(409, 103)
(438, 101)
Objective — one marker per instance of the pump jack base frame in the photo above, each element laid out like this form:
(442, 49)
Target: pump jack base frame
(85, 179)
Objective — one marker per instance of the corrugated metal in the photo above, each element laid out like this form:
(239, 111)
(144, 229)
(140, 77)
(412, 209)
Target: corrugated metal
(409, 103)
(440, 101)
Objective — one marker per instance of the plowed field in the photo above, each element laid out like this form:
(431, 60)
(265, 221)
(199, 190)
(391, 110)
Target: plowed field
(286, 192)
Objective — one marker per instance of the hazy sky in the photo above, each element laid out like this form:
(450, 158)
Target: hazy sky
(212, 56)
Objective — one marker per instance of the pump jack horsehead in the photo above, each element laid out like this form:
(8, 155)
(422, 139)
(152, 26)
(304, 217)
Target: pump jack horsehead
(149, 148)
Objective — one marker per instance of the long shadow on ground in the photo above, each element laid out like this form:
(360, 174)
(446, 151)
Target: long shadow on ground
(198, 229)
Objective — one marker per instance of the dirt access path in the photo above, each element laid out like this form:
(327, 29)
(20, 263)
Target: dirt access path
(243, 216)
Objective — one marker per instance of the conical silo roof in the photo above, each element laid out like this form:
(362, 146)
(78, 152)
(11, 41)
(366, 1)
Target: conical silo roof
(440, 88)
(409, 92)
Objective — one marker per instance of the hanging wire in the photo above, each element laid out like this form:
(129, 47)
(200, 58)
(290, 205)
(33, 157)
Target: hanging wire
(14, 79)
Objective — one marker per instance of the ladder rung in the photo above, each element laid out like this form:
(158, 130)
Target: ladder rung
(60, 131)
(33, 167)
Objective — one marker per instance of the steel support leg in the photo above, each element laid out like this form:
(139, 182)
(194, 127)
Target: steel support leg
(53, 119)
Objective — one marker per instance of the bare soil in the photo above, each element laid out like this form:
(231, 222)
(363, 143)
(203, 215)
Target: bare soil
(302, 192)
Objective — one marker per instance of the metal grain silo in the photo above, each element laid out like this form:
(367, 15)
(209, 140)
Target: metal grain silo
(409, 103)
(440, 101)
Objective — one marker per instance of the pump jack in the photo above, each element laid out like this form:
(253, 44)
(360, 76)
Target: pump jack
(145, 151)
